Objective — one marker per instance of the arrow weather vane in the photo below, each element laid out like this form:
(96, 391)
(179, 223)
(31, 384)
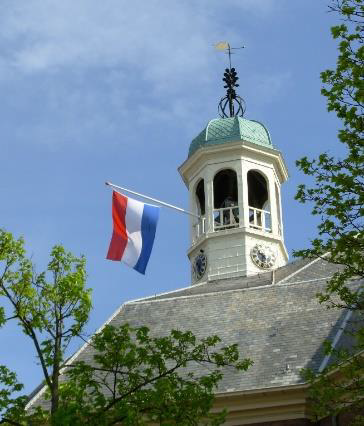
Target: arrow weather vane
(235, 102)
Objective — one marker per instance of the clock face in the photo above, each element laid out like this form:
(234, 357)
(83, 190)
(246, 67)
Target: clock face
(199, 265)
(263, 256)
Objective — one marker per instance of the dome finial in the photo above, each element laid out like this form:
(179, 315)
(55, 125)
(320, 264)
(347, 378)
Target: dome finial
(235, 103)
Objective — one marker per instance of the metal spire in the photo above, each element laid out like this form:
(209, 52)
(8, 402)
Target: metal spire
(235, 103)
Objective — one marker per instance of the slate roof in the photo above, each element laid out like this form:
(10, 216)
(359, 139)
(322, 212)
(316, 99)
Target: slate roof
(274, 317)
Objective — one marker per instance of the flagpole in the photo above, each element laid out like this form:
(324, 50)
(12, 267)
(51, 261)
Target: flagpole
(162, 203)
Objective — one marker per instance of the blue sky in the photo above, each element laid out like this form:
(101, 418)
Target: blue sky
(116, 90)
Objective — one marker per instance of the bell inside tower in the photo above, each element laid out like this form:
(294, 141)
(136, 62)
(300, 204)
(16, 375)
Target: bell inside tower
(259, 208)
(226, 210)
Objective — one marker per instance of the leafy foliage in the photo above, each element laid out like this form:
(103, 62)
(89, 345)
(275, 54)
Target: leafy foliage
(340, 387)
(134, 377)
(14, 407)
(50, 312)
(338, 197)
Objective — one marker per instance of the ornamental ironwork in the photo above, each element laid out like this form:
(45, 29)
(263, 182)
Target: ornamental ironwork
(231, 105)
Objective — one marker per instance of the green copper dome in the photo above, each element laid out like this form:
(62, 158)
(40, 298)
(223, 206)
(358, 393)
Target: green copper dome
(225, 130)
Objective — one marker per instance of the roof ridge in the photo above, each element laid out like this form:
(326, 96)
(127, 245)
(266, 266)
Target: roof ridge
(283, 280)
(166, 292)
(214, 293)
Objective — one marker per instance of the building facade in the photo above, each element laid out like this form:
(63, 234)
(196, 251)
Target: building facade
(242, 287)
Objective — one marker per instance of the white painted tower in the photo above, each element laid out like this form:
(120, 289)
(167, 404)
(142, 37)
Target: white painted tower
(234, 177)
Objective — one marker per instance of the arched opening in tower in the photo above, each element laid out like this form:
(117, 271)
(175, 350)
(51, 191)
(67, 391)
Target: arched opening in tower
(200, 197)
(257, 189)
(226, 210)
(199, 225)
(259, 208)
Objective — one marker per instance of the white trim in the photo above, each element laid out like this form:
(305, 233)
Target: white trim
(325, 361)
(281, 283)
(199, 171)
(258, 287)
(268, 236)
(190, 162)
(253, 391)
(337, 337)
(301, 269)
(164, 293)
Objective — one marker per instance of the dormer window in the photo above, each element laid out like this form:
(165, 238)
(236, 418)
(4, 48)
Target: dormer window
(226, 210)
(259, 207)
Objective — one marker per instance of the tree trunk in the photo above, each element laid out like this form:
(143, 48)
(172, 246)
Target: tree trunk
(56, 369)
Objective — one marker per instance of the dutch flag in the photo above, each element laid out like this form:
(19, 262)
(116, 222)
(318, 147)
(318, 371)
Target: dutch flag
(134, 226)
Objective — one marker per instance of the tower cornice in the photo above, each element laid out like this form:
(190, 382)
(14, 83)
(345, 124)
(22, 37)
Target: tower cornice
(247, 231)
(241, 148)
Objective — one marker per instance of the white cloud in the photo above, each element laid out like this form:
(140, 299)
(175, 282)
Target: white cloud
(46, 34)
(156, 58)
(49, 34)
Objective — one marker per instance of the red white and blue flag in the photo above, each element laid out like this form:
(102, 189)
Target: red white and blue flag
(134, 226)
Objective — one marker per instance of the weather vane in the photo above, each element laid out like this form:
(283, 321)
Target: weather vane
(235, 102)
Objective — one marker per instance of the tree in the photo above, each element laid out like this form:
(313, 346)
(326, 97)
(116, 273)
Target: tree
(148, 379)
(338, 197)
(50, 313)
(339, 192)
(134, 377)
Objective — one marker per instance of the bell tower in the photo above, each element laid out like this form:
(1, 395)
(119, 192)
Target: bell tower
(234, 177)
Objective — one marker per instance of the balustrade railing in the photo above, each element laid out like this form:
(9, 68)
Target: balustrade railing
(226, 218)
(260, 219)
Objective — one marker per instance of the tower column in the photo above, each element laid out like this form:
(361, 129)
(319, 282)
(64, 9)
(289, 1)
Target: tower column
(245, 200)
(241, 195)
(192, 219)
(273, 205)
(209, 224)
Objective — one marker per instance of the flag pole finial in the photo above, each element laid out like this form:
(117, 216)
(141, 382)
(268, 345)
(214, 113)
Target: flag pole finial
(231, 105)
